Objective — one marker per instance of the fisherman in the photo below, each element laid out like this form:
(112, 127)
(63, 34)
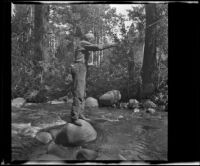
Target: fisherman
(79, 70)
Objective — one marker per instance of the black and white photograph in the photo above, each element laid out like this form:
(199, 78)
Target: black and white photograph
(89, 82)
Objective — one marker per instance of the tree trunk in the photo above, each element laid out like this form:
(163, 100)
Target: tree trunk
(40, 27)
(31, 30)
(131, 66)
(131, 69)
(149, 61)
(38, 33)
(30, 22)
(45, 46)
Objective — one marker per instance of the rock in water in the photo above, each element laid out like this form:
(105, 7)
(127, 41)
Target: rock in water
(44, 137)
(133, 103)
(91, 102)
(73, 135)
(110, 98)
(18, 102)
(86, 154)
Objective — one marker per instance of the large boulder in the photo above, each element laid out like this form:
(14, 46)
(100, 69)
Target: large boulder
(18, 102)
(91, 102)
(73, 135)
(110, 98)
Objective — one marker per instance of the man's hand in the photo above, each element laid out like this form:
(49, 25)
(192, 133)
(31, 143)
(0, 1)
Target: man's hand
(115, 44)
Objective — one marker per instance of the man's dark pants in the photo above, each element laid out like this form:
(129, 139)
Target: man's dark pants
(78, 71)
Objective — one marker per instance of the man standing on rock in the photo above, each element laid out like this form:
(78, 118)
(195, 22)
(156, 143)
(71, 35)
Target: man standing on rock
(78, 71)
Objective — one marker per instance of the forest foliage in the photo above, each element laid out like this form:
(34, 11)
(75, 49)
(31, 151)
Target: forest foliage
(43, 45)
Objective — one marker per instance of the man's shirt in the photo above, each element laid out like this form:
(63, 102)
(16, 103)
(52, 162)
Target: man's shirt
(82, 50)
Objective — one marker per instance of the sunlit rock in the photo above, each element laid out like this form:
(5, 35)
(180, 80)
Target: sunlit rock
(91, 102)
(18, 102)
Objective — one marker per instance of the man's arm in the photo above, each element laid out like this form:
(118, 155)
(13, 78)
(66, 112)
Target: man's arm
(109, 46)
(94, 47)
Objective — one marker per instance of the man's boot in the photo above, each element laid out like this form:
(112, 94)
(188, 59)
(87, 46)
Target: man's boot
(76, 122)
(75, 113)
(81, 116)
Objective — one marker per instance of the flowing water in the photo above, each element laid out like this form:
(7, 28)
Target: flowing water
(133, 136)
(121, 134)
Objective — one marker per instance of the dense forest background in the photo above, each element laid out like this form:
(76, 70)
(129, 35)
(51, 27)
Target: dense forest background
(43, 49)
